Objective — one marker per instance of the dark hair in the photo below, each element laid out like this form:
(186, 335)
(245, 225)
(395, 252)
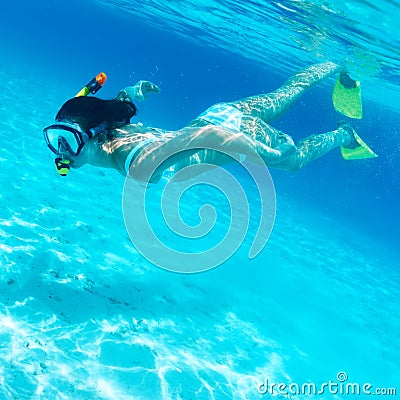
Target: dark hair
(90, 112)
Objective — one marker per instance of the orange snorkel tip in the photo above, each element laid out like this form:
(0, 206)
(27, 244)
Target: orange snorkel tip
(93, 86)
(101, 78)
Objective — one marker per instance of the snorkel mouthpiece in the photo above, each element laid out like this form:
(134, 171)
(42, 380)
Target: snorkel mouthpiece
(93, 86)
(62, 166)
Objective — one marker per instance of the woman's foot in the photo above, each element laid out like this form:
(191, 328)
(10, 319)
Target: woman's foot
(354, 147)
(346, 81)
(352, 144)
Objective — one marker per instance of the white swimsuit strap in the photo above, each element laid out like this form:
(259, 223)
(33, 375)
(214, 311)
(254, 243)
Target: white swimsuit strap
(135, 151)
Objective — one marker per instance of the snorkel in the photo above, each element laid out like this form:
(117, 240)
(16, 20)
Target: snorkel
(93, 86)
(63, 163)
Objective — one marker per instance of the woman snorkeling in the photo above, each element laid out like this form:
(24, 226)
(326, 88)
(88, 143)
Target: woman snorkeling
(89, 130)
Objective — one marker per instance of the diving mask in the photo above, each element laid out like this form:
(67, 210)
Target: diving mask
(66, 138)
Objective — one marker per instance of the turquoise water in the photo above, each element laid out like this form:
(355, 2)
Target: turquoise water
(84, 316)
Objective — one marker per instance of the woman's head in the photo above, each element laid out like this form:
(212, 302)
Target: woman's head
(82, 118)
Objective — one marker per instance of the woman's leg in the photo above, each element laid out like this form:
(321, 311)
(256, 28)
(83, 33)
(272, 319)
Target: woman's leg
(272, 105)
(307, 150)
(315, 146)
(257, 110)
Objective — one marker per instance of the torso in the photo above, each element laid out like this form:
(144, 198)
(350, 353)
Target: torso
(128, 138)
(113, 150)
(144, 142)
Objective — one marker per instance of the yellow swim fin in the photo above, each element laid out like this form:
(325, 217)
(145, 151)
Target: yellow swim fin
(346, 97)
(358, 152)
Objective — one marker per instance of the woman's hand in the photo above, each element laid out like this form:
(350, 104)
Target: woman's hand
(139, 92)
(144, 88)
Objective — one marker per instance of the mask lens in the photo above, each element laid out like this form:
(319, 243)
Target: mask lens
(70, 138)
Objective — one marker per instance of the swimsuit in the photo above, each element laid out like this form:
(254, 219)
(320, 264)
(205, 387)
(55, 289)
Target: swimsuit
(155, 135)
(223, 115)
(135, 151)
(226, 116)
